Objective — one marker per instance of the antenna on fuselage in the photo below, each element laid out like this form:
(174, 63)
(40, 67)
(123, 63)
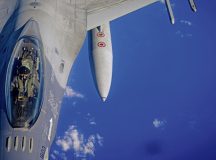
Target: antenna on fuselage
(193, 5)
(170, 11)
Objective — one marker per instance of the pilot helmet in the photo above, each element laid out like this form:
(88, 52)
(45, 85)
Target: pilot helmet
(23, 70)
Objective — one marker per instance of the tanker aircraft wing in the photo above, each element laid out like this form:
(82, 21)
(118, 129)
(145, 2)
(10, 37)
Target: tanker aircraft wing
(102, 11)
(99, 14)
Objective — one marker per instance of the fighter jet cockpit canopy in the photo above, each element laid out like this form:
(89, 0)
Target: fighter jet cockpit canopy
(24, 86)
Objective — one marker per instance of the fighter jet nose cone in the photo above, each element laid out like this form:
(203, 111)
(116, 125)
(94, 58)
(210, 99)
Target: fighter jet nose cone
(104, 99)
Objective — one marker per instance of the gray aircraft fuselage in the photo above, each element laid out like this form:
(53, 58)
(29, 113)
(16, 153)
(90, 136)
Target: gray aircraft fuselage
(39, 41)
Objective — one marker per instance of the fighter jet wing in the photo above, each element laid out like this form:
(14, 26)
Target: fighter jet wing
(101, 11)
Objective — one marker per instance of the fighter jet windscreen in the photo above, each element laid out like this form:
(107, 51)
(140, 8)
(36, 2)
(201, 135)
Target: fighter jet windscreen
(25, 83)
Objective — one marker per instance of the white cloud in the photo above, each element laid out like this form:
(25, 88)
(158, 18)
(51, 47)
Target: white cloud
(100, 139)
(186, 22)
(158, 123)
(89, 147)
(77, 142)
(74, 103)
(69, 92)
(57, 156)
(92, 122)
(183, 35)
(53, 156)
(56, 152)
(90, 119)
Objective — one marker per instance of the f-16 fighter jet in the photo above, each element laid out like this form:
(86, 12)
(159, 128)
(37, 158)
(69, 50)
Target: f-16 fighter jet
(39, 42)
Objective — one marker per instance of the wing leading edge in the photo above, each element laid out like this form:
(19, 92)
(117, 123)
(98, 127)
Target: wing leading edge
(102, 11)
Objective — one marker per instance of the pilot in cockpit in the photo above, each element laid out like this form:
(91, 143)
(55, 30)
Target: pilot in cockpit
(23, 80)
(26, 81)
(23, 76)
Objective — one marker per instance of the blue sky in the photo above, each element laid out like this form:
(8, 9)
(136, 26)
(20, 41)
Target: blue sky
(162, 101)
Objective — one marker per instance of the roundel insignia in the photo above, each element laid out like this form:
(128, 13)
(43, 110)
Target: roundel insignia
(101, 44)
(100, 34)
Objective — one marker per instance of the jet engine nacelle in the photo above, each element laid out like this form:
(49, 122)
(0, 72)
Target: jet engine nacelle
(102, 59)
